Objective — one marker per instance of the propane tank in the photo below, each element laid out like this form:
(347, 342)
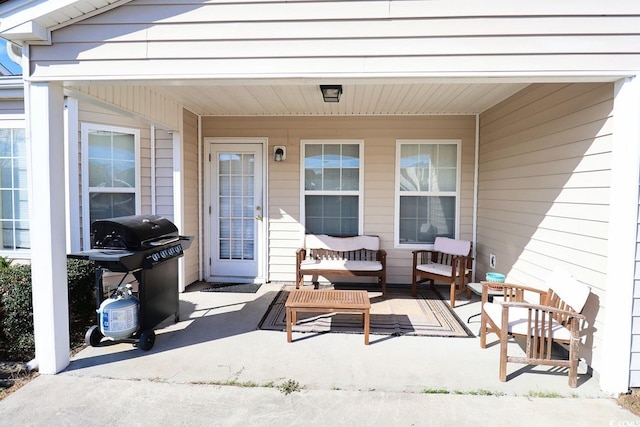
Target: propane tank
(118, 314)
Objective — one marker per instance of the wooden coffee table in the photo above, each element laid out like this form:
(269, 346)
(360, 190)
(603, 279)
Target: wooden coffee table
(327, 301)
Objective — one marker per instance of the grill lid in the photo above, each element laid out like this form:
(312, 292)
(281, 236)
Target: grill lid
(135, 232)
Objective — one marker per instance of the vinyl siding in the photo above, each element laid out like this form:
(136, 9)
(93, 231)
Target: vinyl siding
(12, 107)
(190, 191)
(379, 134)
(147, 38)
(141, 101)
(634, 375)
(163, 180)
(544, 178)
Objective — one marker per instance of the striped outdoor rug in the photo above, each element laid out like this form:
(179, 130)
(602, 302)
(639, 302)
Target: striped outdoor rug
(398, 314)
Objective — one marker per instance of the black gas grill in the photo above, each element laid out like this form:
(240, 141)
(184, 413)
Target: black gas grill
(135, 242)
(147, 246)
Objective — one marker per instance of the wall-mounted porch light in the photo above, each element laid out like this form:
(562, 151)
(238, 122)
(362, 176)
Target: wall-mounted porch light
(279, 153)
(331, 93)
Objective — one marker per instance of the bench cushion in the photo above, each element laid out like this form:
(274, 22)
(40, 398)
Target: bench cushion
(354, 243)
(435, 268)
(574, 293)
(339, 264)
(518, 321)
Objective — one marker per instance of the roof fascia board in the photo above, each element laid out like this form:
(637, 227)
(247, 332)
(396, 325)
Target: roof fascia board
(15, 21)
(18, 22)
(251, 80)
(30, 10)
(9, 7)
(28, 31)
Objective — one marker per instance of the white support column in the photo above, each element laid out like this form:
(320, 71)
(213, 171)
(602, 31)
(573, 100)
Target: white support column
(178, 198)
(45, 145)
(623, 223)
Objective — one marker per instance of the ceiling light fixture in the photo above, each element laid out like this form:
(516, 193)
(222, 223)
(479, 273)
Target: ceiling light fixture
(331, 93)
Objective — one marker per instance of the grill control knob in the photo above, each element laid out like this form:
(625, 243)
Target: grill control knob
(178, 249)
(155, 257)
(163, 254)
(171, 251)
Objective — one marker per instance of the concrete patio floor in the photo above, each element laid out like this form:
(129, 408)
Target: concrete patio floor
(215, 367)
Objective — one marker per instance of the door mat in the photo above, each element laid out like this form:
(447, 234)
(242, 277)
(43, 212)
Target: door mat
(242, 288)
(399, 314)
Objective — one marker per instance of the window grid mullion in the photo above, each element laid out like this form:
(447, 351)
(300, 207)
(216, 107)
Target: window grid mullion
(423, 215)
(325, 166)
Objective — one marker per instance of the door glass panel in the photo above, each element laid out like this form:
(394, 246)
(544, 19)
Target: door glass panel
(225, 249)
(235, 198)
(225, 229)
(236, 207)
(236, 249)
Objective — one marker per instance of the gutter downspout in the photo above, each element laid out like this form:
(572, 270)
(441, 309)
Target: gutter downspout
(476, 166)
(152, 129)
(200, 203)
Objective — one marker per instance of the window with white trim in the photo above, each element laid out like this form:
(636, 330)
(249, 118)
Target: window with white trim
(427, 191)
(110, 172)
(14, 200)
(332, 187)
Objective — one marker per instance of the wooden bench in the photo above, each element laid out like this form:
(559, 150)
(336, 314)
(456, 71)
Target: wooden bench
(555, 318)
(327, 301)
(327, 256)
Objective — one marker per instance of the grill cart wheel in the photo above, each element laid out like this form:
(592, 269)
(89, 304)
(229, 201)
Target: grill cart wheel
(147, 339)
(93, 336)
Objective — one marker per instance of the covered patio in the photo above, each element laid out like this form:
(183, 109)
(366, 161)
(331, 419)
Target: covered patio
(543, 108)
(218, 342)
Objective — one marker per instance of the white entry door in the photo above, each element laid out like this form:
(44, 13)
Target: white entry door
(236, 207)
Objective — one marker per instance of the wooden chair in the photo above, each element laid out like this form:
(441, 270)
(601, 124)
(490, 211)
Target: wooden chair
(555, 318)
(450, 261)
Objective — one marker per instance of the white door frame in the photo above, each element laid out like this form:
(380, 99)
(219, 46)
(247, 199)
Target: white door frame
(261, 238)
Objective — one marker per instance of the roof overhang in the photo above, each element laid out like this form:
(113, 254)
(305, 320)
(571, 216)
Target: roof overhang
(33, 20)
(445, 92)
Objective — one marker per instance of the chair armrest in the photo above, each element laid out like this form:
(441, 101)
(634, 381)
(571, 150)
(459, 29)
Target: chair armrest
(301, 254)
(462, 260)
(381, 256)
(422, 253)
(460, 265)
(510, 292)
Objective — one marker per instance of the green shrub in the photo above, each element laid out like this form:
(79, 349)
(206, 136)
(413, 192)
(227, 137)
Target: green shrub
(16, 308)
(5, 262)
(16, 313)
(82, 299)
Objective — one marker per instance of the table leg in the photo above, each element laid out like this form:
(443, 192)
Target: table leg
(366, 327)
(288, 321)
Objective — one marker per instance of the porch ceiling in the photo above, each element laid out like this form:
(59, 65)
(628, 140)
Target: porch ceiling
(384, 98)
